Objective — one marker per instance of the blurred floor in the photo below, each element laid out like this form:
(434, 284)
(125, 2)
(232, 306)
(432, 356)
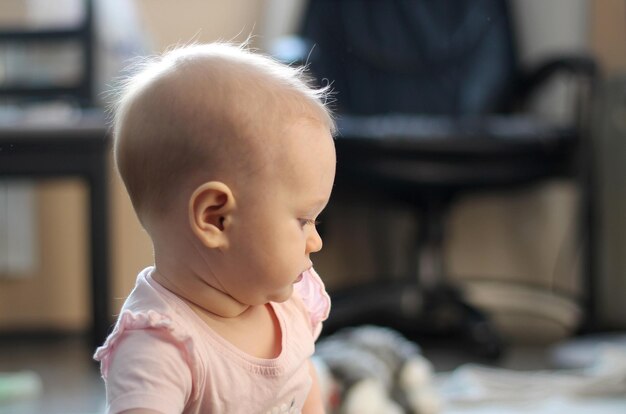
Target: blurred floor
(72, 383)
(71, 380)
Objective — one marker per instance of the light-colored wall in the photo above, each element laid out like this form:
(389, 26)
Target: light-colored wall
(55, 295)
(608, 34)
(170, 23)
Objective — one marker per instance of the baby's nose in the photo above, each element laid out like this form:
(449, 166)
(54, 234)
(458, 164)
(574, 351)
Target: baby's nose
(314, 242)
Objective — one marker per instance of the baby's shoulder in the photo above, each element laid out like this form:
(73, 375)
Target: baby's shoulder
(151, 315)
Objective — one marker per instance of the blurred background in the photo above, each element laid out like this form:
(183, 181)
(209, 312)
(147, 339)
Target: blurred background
(527, 191)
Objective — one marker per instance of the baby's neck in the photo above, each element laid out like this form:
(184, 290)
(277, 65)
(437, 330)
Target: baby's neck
(194, 290)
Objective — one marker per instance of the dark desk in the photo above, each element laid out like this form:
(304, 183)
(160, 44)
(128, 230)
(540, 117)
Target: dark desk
(74, 149)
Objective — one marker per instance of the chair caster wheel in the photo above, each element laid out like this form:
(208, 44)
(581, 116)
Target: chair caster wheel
(485, 340)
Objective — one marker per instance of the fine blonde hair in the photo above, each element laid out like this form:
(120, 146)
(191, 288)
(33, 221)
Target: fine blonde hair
(183, 116)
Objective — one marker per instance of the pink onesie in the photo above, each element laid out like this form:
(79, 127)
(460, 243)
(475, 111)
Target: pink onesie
(162, 356)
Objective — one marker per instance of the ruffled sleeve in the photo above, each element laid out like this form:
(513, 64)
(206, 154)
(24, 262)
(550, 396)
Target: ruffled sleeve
(148, 362)
(130, 321)
(313, 294)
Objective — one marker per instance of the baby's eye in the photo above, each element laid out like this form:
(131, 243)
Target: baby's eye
(309, 222)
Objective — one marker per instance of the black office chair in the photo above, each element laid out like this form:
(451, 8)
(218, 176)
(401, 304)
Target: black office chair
(430, 98)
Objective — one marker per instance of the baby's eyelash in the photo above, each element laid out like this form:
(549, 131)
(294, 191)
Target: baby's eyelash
(312, 222)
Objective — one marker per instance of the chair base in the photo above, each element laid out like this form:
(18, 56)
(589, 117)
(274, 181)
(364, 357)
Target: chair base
(419, 314)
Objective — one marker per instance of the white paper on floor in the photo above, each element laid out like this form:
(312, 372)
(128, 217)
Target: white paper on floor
(598, 388)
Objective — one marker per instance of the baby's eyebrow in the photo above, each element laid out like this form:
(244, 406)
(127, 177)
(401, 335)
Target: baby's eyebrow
(319, 205)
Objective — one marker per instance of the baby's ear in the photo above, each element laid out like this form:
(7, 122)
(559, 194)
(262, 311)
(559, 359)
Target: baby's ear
(209, 208)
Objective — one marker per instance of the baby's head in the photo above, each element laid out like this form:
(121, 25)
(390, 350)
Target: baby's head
(207, 135)
(204, 112)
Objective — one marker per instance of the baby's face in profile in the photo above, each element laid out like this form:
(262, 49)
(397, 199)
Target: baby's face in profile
(274, 232)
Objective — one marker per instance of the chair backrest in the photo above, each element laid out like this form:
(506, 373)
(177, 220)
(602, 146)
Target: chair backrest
(436, 57)
(79, 36)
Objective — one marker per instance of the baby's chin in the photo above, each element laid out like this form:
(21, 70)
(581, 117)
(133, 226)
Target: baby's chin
(283, 296)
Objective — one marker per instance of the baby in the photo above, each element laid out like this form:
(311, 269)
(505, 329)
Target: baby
(228, 158)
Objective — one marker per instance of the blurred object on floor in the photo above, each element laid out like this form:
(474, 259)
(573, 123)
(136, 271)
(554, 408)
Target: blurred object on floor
(583, 351)
(479, 388)
(19, 385)
(548, 406)
(374, 370)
